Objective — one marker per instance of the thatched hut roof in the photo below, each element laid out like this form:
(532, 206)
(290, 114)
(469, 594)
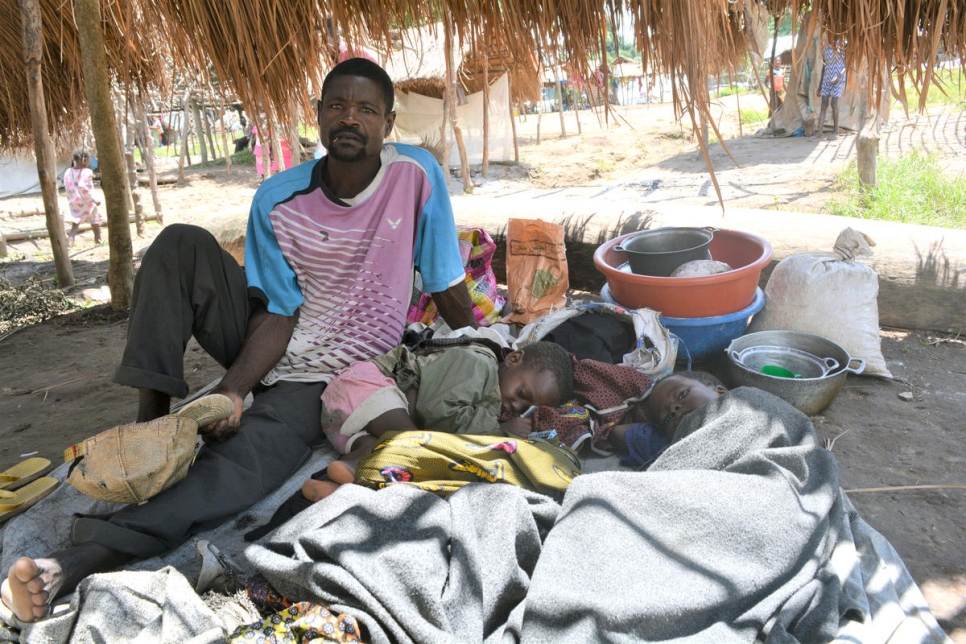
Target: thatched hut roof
(275, 54)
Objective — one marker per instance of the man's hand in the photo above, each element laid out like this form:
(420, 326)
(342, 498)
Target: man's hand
(265, 341)
(224, 429)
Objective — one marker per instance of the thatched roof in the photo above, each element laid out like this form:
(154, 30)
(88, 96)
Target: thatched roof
(275, 54)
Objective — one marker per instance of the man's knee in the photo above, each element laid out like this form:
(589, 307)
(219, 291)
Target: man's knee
(181, 235)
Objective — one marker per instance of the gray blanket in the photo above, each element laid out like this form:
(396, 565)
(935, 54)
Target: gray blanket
(738, 533)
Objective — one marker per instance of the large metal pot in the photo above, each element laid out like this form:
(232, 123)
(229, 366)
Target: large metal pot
(810, 395)
(658, 252)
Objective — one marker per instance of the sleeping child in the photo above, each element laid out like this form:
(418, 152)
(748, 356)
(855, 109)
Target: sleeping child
(670, 400)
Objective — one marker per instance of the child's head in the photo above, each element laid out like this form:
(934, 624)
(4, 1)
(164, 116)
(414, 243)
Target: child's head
(541, 374)
(81, 158)
(678, 395)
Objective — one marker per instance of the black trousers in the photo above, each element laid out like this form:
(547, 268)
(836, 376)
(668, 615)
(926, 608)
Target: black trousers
(188, 285)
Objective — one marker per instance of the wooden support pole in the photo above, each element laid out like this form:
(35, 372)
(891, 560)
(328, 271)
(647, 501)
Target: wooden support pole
(184, 136)
(199, 125)
(135, 193)
(120, 274)
(149, 159)
(486, 114)
(513, 121)
(43, 148)
(454, 120)
(559, 89)
(224, 137)
(866, 148)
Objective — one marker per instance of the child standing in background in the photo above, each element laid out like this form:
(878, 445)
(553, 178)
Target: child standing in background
(79, 183)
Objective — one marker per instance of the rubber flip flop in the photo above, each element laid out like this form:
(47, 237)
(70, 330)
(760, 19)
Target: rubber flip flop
(13, 503)
(23, 472)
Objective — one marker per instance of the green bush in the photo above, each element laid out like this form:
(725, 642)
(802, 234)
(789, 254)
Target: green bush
(911, 189)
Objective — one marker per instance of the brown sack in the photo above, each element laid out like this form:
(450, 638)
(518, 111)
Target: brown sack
(536, 269)
(132, 463)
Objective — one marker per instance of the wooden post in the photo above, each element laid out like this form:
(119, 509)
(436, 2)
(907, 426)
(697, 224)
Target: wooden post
(126, 143)
(454, 121)
(207, 124)
(867, 148)
(486, 115)
(199, 125)
(224, 137)
(146, 136)
(184, 136)
(135, 194)
(43, 147)
(120, 274)
(558, 88)
(513, 121)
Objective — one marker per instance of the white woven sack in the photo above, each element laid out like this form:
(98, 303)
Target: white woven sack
(831, 295)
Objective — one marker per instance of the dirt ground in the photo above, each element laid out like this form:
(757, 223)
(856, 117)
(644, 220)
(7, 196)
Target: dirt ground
(55, 381)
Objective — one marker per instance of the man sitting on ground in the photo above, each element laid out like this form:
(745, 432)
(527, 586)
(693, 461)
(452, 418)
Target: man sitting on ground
(330, 250)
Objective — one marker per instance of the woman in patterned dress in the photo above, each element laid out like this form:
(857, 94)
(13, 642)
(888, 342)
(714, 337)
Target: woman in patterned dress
(833, 83)
(79, 183)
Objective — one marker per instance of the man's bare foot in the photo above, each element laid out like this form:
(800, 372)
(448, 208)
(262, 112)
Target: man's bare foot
(342, 472)
(31, 584)
(29, 587)
(317, 490)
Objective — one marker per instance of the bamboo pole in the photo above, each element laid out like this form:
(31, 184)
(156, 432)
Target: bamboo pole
(43, 147)
(120, 274)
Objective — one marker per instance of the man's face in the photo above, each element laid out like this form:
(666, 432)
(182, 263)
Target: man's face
(353, 122)
(675, 397)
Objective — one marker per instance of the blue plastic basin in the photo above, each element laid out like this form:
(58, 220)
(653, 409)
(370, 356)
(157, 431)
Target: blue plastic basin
(702, 337)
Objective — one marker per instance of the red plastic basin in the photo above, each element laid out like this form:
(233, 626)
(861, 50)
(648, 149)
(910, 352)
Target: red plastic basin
(691, 297)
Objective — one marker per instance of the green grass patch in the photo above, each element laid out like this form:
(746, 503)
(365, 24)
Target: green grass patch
(951, 92)
(752, 116)
(911, 189)
(727, 90)
(245, 157)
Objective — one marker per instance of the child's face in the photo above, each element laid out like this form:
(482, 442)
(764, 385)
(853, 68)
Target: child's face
(675, 397)
(522, 386)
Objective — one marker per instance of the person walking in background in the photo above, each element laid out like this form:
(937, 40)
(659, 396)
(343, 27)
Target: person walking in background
(831, 87)
(262, 148)
(79, 183)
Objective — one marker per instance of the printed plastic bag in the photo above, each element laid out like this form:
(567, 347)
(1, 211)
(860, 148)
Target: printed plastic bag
(476, 249)
(536, 269)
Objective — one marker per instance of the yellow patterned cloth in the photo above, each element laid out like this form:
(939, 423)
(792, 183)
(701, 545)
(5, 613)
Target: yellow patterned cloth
(443, 463)
(300, 623)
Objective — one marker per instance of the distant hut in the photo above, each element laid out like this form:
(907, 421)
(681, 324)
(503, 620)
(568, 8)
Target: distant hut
(417, 66)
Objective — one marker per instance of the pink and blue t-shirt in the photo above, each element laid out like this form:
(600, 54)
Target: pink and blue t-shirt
(348, 264)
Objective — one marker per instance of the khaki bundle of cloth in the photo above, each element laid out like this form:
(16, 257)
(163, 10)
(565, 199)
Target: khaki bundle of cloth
(132, 463)
(442, 463)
